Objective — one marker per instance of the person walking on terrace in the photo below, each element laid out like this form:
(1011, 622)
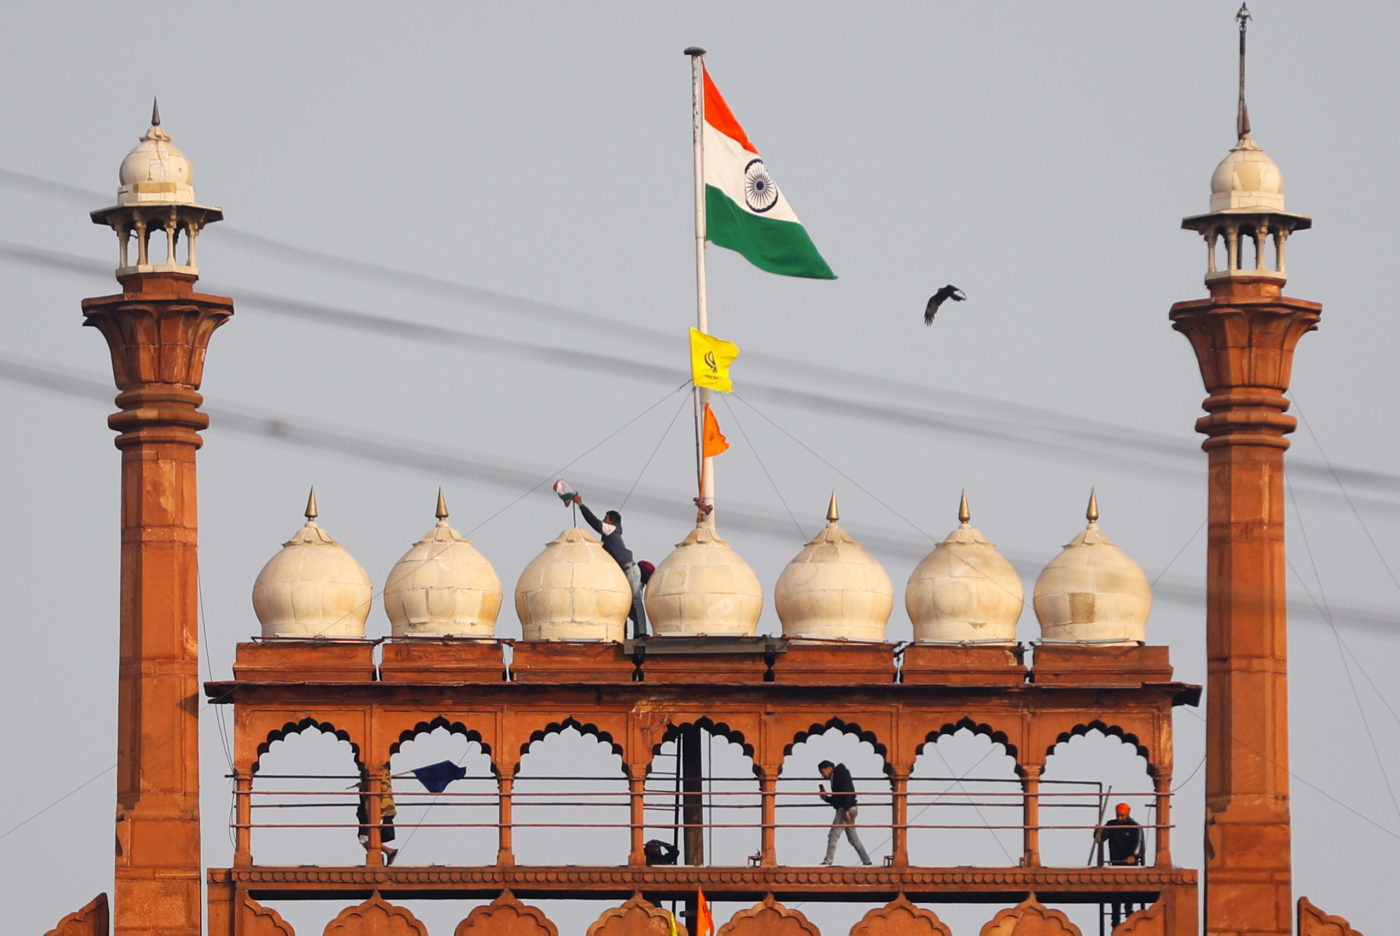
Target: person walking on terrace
(842, 798)
(610, 529)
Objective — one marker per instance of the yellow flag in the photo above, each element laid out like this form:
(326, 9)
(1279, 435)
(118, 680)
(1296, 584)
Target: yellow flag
(675, 930)
(710, 359)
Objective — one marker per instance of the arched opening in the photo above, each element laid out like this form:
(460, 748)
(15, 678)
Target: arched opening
(807, 825)
(571, 799)
(304, 795)
(1086, 775)
(450, 821)
(965, 804)
(702, 776)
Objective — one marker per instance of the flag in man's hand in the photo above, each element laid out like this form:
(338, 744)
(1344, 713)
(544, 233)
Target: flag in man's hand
(436, 777)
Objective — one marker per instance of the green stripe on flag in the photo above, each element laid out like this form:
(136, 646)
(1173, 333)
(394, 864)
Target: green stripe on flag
(776, 246)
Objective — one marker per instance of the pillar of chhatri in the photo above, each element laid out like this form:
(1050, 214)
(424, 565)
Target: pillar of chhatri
(157, 328)
(1244, 336)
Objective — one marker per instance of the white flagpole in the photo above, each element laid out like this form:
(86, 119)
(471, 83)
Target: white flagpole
(697, 95)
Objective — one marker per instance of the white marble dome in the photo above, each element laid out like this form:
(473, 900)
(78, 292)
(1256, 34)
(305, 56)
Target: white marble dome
(1246, 180)
(1092, 592)
(442, 587)
(155, 171)
(573, 590)
(834, 588)
(703, 588)
(313, 587)
(964, 591)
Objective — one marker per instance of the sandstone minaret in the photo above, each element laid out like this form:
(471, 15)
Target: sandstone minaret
(158, 328)
(1244, 336)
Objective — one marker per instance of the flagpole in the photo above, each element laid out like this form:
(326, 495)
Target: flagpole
(697, 97)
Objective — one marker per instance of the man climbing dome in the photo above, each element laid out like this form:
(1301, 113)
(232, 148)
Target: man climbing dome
(610, 529)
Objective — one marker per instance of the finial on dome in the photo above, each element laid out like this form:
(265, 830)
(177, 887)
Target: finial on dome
(1242, 117)
(311, 504)
(1092, 514)
(832, 513)
(441, 506)
(964, 515)
(155, 112)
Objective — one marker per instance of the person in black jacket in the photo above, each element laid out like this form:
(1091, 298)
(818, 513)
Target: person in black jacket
(842, 798)
(1124, 837)
(610, 529)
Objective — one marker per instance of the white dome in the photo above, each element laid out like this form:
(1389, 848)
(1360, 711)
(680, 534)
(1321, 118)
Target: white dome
(704, 588)
(156, 172)
(834, 588)
(1092, 592)
(312, 588)
(573, 591)
(1246, 180)
(442, 587)
(964, 591)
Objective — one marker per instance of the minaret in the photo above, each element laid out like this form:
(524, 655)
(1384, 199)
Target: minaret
(157, 329)
(1244, 336)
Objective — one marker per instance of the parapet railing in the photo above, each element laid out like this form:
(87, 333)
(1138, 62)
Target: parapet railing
(690, 815)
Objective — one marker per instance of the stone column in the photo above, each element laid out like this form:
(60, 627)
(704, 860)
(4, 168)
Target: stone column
(899, 811)
(1030, 815)
(243, 817)
(1244, 336)
(505, 854)
(1162, 784)
(158, 329)
(636, 789)
(768, 834)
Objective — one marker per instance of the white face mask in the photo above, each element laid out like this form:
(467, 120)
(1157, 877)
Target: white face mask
(608, 528)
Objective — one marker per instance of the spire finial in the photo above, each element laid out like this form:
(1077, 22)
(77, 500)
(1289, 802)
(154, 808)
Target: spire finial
(311, 504)
(1092, 514)
(155, 112)
(832, 513)
(1242, 118)
(441, 506)
(964, 515)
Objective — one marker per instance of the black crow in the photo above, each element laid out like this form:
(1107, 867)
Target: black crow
(947, 292)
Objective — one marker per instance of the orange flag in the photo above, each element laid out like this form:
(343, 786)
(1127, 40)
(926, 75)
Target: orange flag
(704, 923)
(713, 441)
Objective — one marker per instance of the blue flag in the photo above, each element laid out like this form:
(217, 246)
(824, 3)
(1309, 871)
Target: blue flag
(436, 777)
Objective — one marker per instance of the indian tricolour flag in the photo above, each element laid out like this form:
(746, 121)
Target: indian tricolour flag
(744, 209)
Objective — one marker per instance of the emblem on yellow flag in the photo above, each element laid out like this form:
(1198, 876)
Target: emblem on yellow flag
(710, 358)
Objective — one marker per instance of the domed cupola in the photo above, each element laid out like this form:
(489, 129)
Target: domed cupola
(573, 590)
(1246, 180)
(703, 588)
(834, 588)
(313, 587)
(964, 591)
(1092, 592)
(156, 210)
(442, 587)
(155, 171)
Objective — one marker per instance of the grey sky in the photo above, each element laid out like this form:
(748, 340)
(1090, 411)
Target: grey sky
(1039, 156)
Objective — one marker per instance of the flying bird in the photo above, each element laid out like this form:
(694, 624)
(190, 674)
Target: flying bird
(947, 292)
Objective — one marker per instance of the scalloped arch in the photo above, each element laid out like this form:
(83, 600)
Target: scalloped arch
(1112, 731)
(453, 727)
(506, 916)
(292, 728)
(1030, 918)
(845, 727)
(375, 917)
(977, 728)
(769, 918)
(720, 729)
(637, 917)
(899, 917)
(583, 728)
